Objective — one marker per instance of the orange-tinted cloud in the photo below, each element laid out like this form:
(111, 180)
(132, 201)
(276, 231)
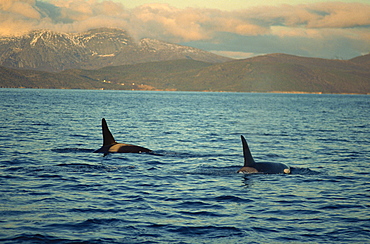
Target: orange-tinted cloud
(167, 22)
(162, 21)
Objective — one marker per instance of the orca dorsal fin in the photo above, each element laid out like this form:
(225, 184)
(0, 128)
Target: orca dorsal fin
(108, 138)
(248, 159)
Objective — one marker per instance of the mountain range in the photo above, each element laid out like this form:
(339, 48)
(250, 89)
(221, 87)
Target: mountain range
(110, 59)
(267, 73)
(51, 51)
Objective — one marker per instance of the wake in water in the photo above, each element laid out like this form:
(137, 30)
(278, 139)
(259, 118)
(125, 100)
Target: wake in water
(223, 171)
(73, 150)
(203, 170)
(155, 153)
(303, 171)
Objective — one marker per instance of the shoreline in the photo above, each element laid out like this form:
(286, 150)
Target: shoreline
(173, 90)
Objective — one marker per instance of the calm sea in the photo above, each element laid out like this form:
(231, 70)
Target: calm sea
(54, 189)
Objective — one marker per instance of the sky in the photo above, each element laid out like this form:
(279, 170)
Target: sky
(227, 5)
(233, 28)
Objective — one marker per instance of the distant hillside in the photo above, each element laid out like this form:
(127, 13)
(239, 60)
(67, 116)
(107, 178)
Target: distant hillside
(146, 76)
(51, 51)
(268, 73)
(14, 78)
(279, 72)
(362, 60)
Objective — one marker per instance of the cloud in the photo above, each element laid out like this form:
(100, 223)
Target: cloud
(324, 21)
(317, 15)
(165, 22)
(170, 23)
(24, 8)
(18, 17)
(339, 15)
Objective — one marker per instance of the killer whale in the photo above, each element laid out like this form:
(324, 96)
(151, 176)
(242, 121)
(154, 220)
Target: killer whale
(250, 166)
(111, 146)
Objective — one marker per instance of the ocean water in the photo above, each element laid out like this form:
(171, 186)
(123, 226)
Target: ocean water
(54, 189)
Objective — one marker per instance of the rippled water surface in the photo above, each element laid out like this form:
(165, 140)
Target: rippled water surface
(55, 189)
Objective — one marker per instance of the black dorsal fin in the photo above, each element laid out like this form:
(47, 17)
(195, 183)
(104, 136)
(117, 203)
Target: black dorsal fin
(108, 138)
(248, 159)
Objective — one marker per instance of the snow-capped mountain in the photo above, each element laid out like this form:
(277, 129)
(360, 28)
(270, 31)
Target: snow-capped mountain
(51, 51)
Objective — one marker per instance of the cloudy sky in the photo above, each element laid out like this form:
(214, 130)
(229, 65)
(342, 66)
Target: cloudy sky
(235, 28)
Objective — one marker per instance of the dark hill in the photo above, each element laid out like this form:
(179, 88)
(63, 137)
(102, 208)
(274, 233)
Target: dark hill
(268, 73)
(362, 60)
(14, 78)
(280, 72)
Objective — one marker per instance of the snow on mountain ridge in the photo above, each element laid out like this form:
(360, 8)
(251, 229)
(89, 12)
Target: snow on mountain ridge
(154, 44)
(53, 51)
(50, 38)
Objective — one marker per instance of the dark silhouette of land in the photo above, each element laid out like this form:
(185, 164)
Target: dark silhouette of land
(267, 73)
